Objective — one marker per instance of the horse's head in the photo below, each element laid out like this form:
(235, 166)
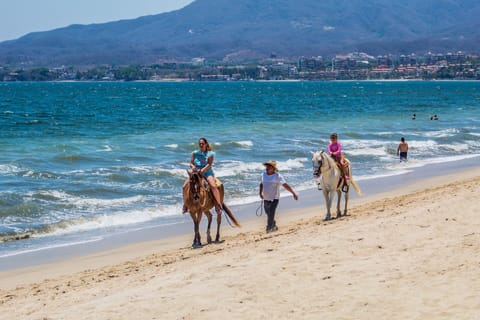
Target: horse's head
(317, 161)
(195, 182)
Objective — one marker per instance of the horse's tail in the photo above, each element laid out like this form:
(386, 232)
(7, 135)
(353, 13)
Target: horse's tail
(353, 183)
(230, 215)
(355, 186)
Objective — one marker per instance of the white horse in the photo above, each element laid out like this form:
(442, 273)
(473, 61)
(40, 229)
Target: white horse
(326, 167)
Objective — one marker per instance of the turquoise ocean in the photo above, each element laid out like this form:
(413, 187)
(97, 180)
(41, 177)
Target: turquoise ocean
(81, 161)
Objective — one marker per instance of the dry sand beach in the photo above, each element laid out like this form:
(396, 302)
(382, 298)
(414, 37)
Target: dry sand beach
(409, 254)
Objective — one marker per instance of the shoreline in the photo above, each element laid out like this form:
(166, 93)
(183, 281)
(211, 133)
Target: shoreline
(404, 253)
(310, 199)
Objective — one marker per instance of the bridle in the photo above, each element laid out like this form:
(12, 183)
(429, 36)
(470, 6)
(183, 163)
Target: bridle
(317, 169)
(317, 164)
(196, 186)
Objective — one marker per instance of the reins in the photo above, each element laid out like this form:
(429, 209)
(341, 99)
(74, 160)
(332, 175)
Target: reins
(195, 180)
(260, 207)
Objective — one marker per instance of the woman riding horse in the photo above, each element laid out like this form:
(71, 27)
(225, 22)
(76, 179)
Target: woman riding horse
(200, 197)
(202, 161)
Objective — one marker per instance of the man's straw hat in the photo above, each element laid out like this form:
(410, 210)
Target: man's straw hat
(272, 163)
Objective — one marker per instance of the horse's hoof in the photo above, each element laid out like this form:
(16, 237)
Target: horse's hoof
(197, 244)
(327, 218)
(219, 241)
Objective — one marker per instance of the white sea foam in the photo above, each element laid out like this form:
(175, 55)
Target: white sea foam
(385, 149)
(245, 144)
(458, 147)
(9, 169)
(231, 168)
(105, 203)
(176, 171)
(380, 151)
(291, 164)
(83, 202)
(172, 146)
(116, 219)
(104, 148)
(474, 144)
(422, 144)
(441, 133)
(243, 200)
(416, 163)
(349, 144)
(138, 170)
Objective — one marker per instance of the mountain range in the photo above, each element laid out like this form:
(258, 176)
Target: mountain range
(239, 30)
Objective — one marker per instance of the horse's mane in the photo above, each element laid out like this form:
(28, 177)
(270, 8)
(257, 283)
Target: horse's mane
(196, 176)
(330, 160)
(195, 179)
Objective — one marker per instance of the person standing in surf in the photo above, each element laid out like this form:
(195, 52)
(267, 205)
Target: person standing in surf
(402, 150)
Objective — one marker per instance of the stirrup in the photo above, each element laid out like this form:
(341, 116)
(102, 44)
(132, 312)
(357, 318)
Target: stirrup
(345, 188)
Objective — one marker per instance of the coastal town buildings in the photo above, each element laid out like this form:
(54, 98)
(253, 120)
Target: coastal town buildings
(351, 66)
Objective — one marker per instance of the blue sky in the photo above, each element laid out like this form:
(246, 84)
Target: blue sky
(19, 17)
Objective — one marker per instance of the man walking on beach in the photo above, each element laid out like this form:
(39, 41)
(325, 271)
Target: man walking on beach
(270, 192)
(402, 149)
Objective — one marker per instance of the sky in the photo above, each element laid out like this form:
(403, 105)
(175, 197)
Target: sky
(19, 17)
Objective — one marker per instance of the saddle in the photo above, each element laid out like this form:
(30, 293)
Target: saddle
(206, 185)
(344, 171)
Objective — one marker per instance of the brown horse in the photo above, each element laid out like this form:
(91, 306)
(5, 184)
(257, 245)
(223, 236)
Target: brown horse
(198, 198)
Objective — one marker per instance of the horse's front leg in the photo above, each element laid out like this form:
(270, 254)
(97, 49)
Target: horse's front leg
(209, 217)
(219, 222)
(328, 203)
(196, 217)
(339, 199)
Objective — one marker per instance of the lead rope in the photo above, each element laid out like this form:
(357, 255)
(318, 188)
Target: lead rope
(260, 207)
(227, 218)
